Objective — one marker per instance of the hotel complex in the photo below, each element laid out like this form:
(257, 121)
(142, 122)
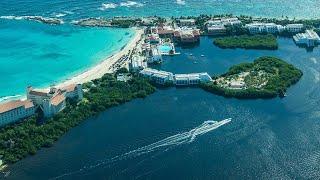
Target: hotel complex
(50, 103)
(258, 28)
(163, 77)
(218, 26)
(308, 39)
(15, 110)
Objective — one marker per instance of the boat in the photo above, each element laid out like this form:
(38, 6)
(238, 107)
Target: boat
(190, 54)
(283, 94)
(202, 55)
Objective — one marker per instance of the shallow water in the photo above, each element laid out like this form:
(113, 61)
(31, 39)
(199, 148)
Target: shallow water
(41, 55)
(266, 139)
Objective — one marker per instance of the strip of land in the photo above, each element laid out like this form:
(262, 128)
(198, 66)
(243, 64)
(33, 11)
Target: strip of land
(267, 42)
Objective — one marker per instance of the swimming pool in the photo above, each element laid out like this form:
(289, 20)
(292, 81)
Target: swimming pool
(165, 49)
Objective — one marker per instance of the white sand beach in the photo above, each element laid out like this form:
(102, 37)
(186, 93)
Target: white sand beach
(103, 67)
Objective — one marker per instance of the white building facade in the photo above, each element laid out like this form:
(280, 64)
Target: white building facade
(163, 77)
(294, 28)
(13, 111)
(258, 28)
(309, 38)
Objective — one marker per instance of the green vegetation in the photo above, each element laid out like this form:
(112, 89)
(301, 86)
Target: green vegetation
(268, 42)
(125, 23)
(25, 138)
(266, 77)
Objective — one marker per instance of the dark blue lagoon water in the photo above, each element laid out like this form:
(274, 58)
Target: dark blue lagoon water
(163, 136)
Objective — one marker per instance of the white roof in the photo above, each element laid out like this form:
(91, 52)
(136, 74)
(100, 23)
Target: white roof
(294, 26)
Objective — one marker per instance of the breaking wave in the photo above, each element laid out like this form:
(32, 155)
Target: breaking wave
(131, 4)
(105, 6)
(181, 2)
(172, 141)
(5, 98)
(46, 20)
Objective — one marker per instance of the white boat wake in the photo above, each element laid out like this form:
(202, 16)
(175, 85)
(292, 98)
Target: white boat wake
(175, 140)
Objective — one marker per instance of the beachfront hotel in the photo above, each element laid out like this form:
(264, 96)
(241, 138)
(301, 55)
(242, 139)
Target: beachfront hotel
(163, 31)
(187, 35)
(308, 39)
(187, 22)
(257, 28)
(137, 63)
(218, 26)
(159, 77)
(54, 101)
(163, 77)
(215, 30)
(294, 28)
(191, 79)
(225, 22)
(50, 103)
(13, 111)
(154, 39)
(153, 55)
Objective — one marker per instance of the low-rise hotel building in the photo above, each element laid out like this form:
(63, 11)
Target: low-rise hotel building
(159, 77)
(187, 22)
(191, 79)
(215, 30)
(137, 63)
(294, 28)
(163, 31)
(163, 77)
(13, 111)
(218, 26)
(225, 22)
(154, 55)
(154, 39)
(309, 38)
(187, 35)
(54, 101)
(258, 28)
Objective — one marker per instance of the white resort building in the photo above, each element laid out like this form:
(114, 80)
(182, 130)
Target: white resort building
(309, 38)
(137, 63)
(187, 22)
(294, 28)
(54, 101)
(154, 55)
(191, 79)
(13, 111)
(218, 26)
(257, 28)
(225, 22)
(160, 77)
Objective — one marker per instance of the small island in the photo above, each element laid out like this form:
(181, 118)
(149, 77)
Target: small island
(267, 42)
(266, 77)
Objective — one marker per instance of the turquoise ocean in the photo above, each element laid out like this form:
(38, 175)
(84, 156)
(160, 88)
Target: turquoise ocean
(37, 54)
(166, 135)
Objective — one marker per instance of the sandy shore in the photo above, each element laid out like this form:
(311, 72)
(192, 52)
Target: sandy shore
(103, 67)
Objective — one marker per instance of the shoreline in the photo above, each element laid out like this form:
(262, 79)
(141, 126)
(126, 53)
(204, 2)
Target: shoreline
(93, 72)
(103, 67)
